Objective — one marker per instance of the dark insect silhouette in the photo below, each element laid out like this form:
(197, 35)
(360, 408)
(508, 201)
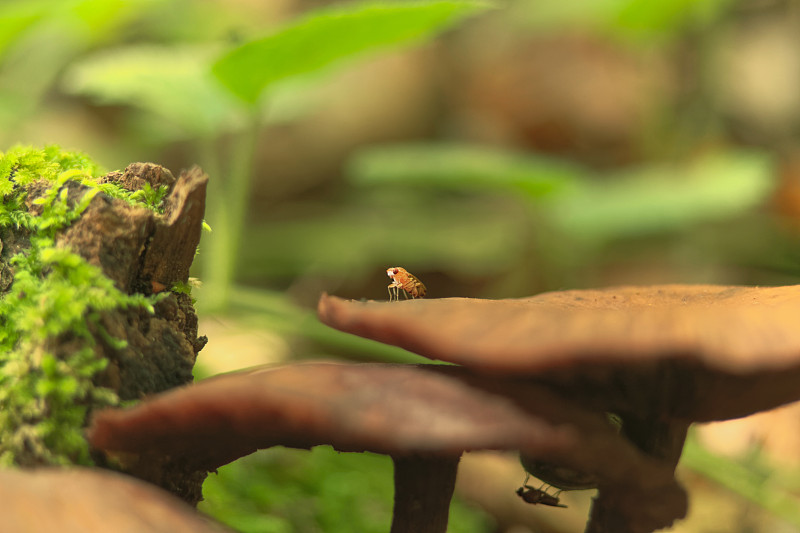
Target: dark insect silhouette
(534, 496)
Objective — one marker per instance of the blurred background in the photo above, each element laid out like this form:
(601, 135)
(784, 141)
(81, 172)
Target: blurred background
(514, 148)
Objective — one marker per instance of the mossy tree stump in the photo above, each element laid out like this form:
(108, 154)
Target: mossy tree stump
(96, 308)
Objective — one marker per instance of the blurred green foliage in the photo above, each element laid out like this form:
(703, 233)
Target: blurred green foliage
(272, 310)
(753, 478)
(171, 83)
(282, 490)
(575, 201)
(328, 36)
(629, 19)
(177, 86)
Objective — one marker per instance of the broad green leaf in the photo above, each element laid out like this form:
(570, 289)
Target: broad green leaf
(327, 36)
(86, 21)
(15, 18)
(101, 19)
(170, 82)
(646, 17)
(654, 200)
(461, 167)
(639, 19)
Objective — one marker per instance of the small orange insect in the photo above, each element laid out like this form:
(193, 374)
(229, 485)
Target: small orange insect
(403, 279)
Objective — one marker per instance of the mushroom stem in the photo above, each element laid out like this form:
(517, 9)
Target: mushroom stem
(611, 511)
(662, 439)
(627, 510)
(605, 516)
(423, 488)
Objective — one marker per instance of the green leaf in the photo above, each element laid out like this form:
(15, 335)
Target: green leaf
(170, 82)
(656, 199)
(461, 167)
(635, 20)
(15, 19)
(645, 17)
(327, 36)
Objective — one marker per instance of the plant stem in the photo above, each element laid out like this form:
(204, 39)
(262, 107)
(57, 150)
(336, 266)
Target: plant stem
(227, 203)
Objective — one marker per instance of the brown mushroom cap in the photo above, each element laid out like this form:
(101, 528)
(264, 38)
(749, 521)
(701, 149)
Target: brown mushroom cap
(404, 411)
(729, 351)
(735, 329)
(371, 407)
(83, 500)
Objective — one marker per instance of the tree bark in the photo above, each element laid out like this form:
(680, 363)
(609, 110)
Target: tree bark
(144, 252)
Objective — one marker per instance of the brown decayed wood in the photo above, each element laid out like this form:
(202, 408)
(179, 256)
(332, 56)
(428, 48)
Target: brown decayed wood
(178, 231)
(136, 175)
(111, 234)
(80, 500)
(139, 250)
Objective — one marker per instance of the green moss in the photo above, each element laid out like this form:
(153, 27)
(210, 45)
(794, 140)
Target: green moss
(150, 197)
(56, 296)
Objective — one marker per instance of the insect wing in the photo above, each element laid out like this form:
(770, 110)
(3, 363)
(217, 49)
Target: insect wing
(419, 287)
(552, 501)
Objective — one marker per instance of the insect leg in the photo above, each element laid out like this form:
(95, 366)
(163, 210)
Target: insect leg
(394, 292)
